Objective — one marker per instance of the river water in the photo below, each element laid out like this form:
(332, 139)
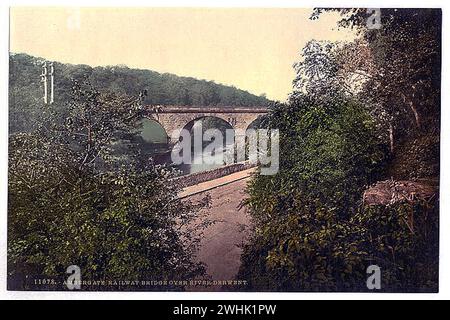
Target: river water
(203, 161)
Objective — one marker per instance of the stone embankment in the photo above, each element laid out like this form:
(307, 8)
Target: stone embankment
(199, 177)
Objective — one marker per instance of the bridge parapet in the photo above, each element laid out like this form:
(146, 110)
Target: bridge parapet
(204, 109)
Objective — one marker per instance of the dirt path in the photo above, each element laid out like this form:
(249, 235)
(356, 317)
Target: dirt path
(220, 246)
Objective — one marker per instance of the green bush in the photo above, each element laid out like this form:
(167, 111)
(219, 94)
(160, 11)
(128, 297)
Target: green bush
(403, 239)
(311, 232)
(71, 201)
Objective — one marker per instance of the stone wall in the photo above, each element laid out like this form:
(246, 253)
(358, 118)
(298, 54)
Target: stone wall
(199, 177)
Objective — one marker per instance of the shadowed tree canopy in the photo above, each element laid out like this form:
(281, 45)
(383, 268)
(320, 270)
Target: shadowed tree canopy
(166, 89)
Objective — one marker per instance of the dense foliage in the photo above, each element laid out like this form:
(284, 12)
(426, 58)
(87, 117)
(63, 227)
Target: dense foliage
(399, 66)
(359, 112)
(163, 89)
(74, 200)
(302, 239)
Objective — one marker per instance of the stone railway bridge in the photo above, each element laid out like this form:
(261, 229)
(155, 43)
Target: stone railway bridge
(177, 117)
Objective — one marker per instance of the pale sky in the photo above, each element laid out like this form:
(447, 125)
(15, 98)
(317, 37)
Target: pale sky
(252, 49)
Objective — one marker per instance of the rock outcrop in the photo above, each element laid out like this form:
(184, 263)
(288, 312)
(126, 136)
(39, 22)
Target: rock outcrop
(389, 192)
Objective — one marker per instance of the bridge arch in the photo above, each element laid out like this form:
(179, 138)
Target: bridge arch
(205, 156)
(255, 124)
(151, 139)
(151, 130)
(212, 118)
(208, 122)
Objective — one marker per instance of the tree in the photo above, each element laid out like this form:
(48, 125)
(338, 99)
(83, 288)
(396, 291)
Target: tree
(303, 237)
(318, 72)
(311, 230)
(73, 201)
(401, 65)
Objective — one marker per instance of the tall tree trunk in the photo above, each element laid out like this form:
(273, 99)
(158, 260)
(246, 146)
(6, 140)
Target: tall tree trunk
(413, 109)
(416, 114)
(391, 136)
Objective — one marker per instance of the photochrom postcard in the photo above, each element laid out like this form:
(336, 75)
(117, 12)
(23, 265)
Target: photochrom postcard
(224, 149)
